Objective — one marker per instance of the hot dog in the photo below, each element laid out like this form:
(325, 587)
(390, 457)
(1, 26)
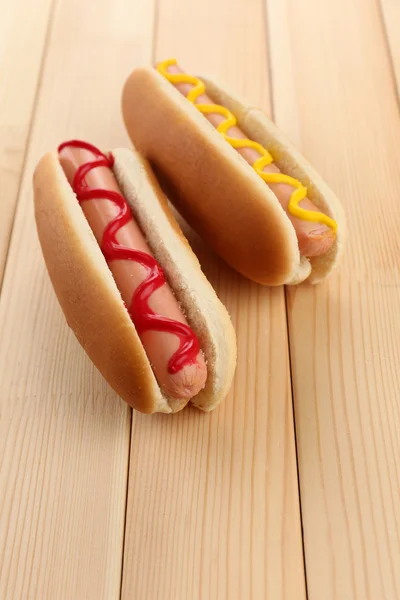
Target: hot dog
(88, 203)
(313, 238)
(225, 197)
(130, 272)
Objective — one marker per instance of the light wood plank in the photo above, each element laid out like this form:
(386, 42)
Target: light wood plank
(213, 507)
(345, 335)
(64, 436)
(22, 36)
(391, 18)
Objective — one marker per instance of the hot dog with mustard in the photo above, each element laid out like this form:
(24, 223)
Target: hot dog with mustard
(239, 182)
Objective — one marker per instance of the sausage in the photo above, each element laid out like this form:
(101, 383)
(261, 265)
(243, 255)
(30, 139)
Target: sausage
(160, 346)
(314, 239)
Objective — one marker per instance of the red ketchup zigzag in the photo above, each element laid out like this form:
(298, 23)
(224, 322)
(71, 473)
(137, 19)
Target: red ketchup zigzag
(143, 317)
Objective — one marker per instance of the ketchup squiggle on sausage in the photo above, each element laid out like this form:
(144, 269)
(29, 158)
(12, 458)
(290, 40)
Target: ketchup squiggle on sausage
(142, 315)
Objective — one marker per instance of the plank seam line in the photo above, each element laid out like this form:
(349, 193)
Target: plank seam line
(153, 54)
(295, 443)
(272, 105)
(386, 43)
(156, 25)
(126, 502)
(43, 61)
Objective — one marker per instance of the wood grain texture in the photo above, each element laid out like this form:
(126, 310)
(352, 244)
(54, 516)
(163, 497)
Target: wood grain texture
(345, 335)
(64, 436)
(22, 39)
(213, 509)
(391, 18)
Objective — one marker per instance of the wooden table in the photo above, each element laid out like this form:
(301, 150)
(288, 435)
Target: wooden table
(292, 486)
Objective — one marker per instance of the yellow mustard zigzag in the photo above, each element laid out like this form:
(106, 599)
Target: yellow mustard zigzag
(300, 191)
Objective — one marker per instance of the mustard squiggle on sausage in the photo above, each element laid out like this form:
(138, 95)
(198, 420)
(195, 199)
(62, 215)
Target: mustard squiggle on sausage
(300, 191)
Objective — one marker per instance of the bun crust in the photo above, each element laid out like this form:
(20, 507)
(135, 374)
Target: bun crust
(90, 299)
(216, 190)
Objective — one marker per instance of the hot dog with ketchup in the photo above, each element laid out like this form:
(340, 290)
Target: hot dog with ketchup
(128, 282)
(237, 180)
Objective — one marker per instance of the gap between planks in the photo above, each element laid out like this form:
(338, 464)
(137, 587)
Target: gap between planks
(390, 17)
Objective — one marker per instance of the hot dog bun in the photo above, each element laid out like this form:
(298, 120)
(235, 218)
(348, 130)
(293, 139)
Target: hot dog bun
(90, 298)
(217, 191)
